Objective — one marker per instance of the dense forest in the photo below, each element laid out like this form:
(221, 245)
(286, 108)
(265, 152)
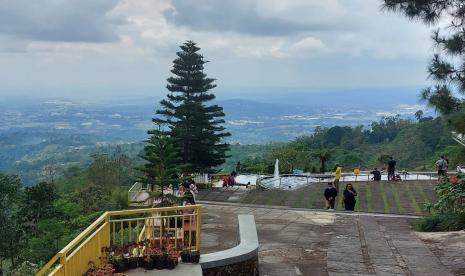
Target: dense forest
(38, 221)
(414, 144)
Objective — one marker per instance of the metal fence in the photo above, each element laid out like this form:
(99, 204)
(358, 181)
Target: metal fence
(178, 226)
(345, 177)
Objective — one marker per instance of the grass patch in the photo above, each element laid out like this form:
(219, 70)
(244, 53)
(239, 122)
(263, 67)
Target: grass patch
(384, 197)
(311, 199)
(299, 202)
(340, 194)
(422, 193)
(395, 195)
(369, 197)
(357, 203)
(413, 201)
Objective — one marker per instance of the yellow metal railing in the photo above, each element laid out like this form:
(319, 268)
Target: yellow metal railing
(178, 226)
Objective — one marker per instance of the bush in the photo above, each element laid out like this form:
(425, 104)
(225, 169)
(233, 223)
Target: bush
(448, 213)
(443, 222)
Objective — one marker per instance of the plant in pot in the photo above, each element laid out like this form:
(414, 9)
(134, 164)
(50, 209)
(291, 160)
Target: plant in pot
(133, 262)
(172, 259)
(148, 263)
(118, 263)
(194, 256)
(126, 256)
(185, 256)
(140, 258)
(158, 259)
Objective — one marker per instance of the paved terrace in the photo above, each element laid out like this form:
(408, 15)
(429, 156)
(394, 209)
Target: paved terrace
(307, 242)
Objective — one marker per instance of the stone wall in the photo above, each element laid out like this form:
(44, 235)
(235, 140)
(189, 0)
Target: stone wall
(245, 268)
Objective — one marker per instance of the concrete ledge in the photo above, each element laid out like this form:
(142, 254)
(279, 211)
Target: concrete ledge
(245, 251)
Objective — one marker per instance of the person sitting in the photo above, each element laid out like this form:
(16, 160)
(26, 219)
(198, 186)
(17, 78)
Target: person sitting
(376, 174)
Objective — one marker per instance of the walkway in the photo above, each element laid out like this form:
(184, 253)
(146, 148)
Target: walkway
(303, 242)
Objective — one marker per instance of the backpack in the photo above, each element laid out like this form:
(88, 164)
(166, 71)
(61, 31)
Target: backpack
(441, 164)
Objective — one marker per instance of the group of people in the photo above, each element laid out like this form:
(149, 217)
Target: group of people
(187, 191)
(391, 171)
(348, 196)
(229, 180)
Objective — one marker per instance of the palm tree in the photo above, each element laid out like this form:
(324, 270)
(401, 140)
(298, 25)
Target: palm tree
(323, 155)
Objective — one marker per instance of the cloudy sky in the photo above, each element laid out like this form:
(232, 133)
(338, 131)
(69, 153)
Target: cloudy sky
(123, 48)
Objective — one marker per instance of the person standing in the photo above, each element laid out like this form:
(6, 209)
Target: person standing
(330, 196)
(232, 179)
(376, 174)
(349, 197)
(337, 176)
(441, 165)
(225, 181)
(391, 168)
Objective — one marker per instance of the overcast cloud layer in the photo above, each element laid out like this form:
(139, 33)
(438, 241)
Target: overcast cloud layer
(125, 47)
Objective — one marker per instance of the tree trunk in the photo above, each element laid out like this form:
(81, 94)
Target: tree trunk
(323, 167)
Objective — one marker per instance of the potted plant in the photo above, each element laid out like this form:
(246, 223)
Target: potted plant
(185, 256)
(158, 259)
(140, 258)
(194, 256)
(133, 256)
(148, 263)
(119, 263)
(171, 260)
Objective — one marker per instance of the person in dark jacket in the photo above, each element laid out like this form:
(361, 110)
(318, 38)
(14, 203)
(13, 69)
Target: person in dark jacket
(330, 196)
(376, 174)
(391, 168)
(349, 197)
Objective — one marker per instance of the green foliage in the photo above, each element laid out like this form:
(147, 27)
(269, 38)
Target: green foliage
(451, 196)
(25, 269)
(10, 226)
(440, 223)
(52, 235)
(196, 127)
(415, 146)
(37, 221)
(39, 202)
(447, 68)
(448, 212)
(162, 166)
(290, 157)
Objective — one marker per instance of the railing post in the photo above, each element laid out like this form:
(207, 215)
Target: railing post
(63, 263)
(197, 225)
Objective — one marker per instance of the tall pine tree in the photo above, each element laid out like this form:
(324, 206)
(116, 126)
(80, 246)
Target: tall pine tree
(447, 67)
(196, 126)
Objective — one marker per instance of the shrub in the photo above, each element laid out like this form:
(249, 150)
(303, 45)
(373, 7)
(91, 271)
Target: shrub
(444, 222)
(448, 213)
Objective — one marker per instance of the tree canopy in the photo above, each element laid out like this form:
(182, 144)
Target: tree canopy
(447, 66)
(196, 126)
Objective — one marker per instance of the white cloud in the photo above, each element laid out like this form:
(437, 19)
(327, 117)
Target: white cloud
(285, 41)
